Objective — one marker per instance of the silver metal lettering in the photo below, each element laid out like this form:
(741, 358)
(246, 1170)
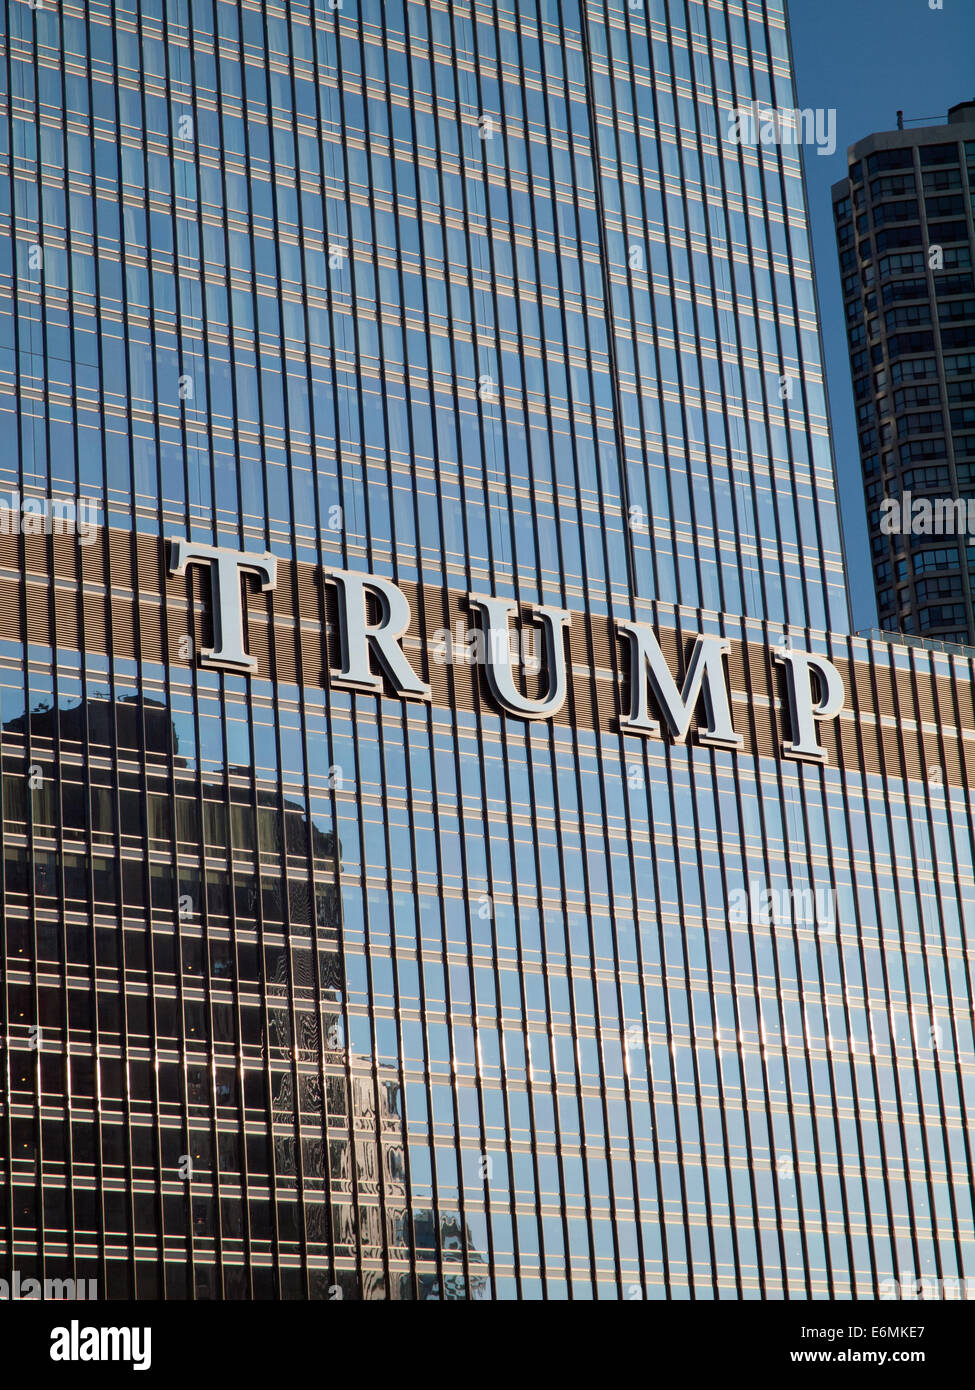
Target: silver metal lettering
(705, 674)
(358, 634)
(500, 676)
(228, 651)
(803, 712)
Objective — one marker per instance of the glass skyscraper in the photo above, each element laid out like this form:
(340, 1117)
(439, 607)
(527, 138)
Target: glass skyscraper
(325, 973)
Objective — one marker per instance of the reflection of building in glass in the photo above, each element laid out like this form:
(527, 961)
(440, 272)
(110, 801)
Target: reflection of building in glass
(135, 1052)
(153, 1012)
(339, 991)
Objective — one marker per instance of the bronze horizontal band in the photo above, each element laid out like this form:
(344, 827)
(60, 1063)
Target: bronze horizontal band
(115, 596)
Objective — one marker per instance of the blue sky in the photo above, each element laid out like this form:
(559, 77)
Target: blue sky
(867, 59)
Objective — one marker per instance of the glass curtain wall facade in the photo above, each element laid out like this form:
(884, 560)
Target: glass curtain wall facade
(311, 993)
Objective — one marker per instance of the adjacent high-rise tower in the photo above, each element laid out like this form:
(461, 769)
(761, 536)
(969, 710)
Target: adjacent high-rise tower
(906, 236)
